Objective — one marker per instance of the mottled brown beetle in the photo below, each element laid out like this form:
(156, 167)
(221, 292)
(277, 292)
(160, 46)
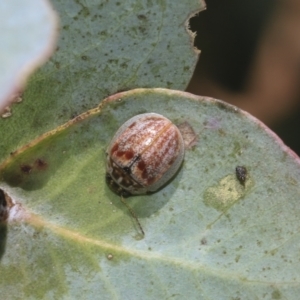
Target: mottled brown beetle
(144, 154)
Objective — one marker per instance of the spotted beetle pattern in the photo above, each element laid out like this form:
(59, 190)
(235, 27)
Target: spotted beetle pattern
(144, 154)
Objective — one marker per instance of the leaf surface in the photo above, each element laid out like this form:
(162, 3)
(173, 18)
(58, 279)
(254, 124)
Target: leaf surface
(103, 47)
(207, 235)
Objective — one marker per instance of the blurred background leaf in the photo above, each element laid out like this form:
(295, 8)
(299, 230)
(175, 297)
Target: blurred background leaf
(28, 32)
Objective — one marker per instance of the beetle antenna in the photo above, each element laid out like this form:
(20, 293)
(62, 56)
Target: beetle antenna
(133, 215)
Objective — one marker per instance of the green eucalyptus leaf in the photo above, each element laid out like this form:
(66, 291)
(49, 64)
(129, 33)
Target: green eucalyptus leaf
(208, 235)
(104, 47)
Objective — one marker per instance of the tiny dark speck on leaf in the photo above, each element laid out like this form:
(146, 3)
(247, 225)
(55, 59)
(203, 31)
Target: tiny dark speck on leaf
(142, 17)
(241, 174)
(41, 164)
(26, 169)
(204, 241)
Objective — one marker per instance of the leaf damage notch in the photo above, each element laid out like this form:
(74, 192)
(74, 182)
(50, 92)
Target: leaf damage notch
(189, 27)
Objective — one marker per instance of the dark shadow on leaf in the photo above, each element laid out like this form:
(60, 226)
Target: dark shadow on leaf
(3, 225)
(148, 204)
(3, 235)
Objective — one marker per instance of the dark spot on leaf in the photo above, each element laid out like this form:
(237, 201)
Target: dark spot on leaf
(124, 65)
(142, 17)
(26, 169)
(142, 29)
(204, 241)
(41, 164)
